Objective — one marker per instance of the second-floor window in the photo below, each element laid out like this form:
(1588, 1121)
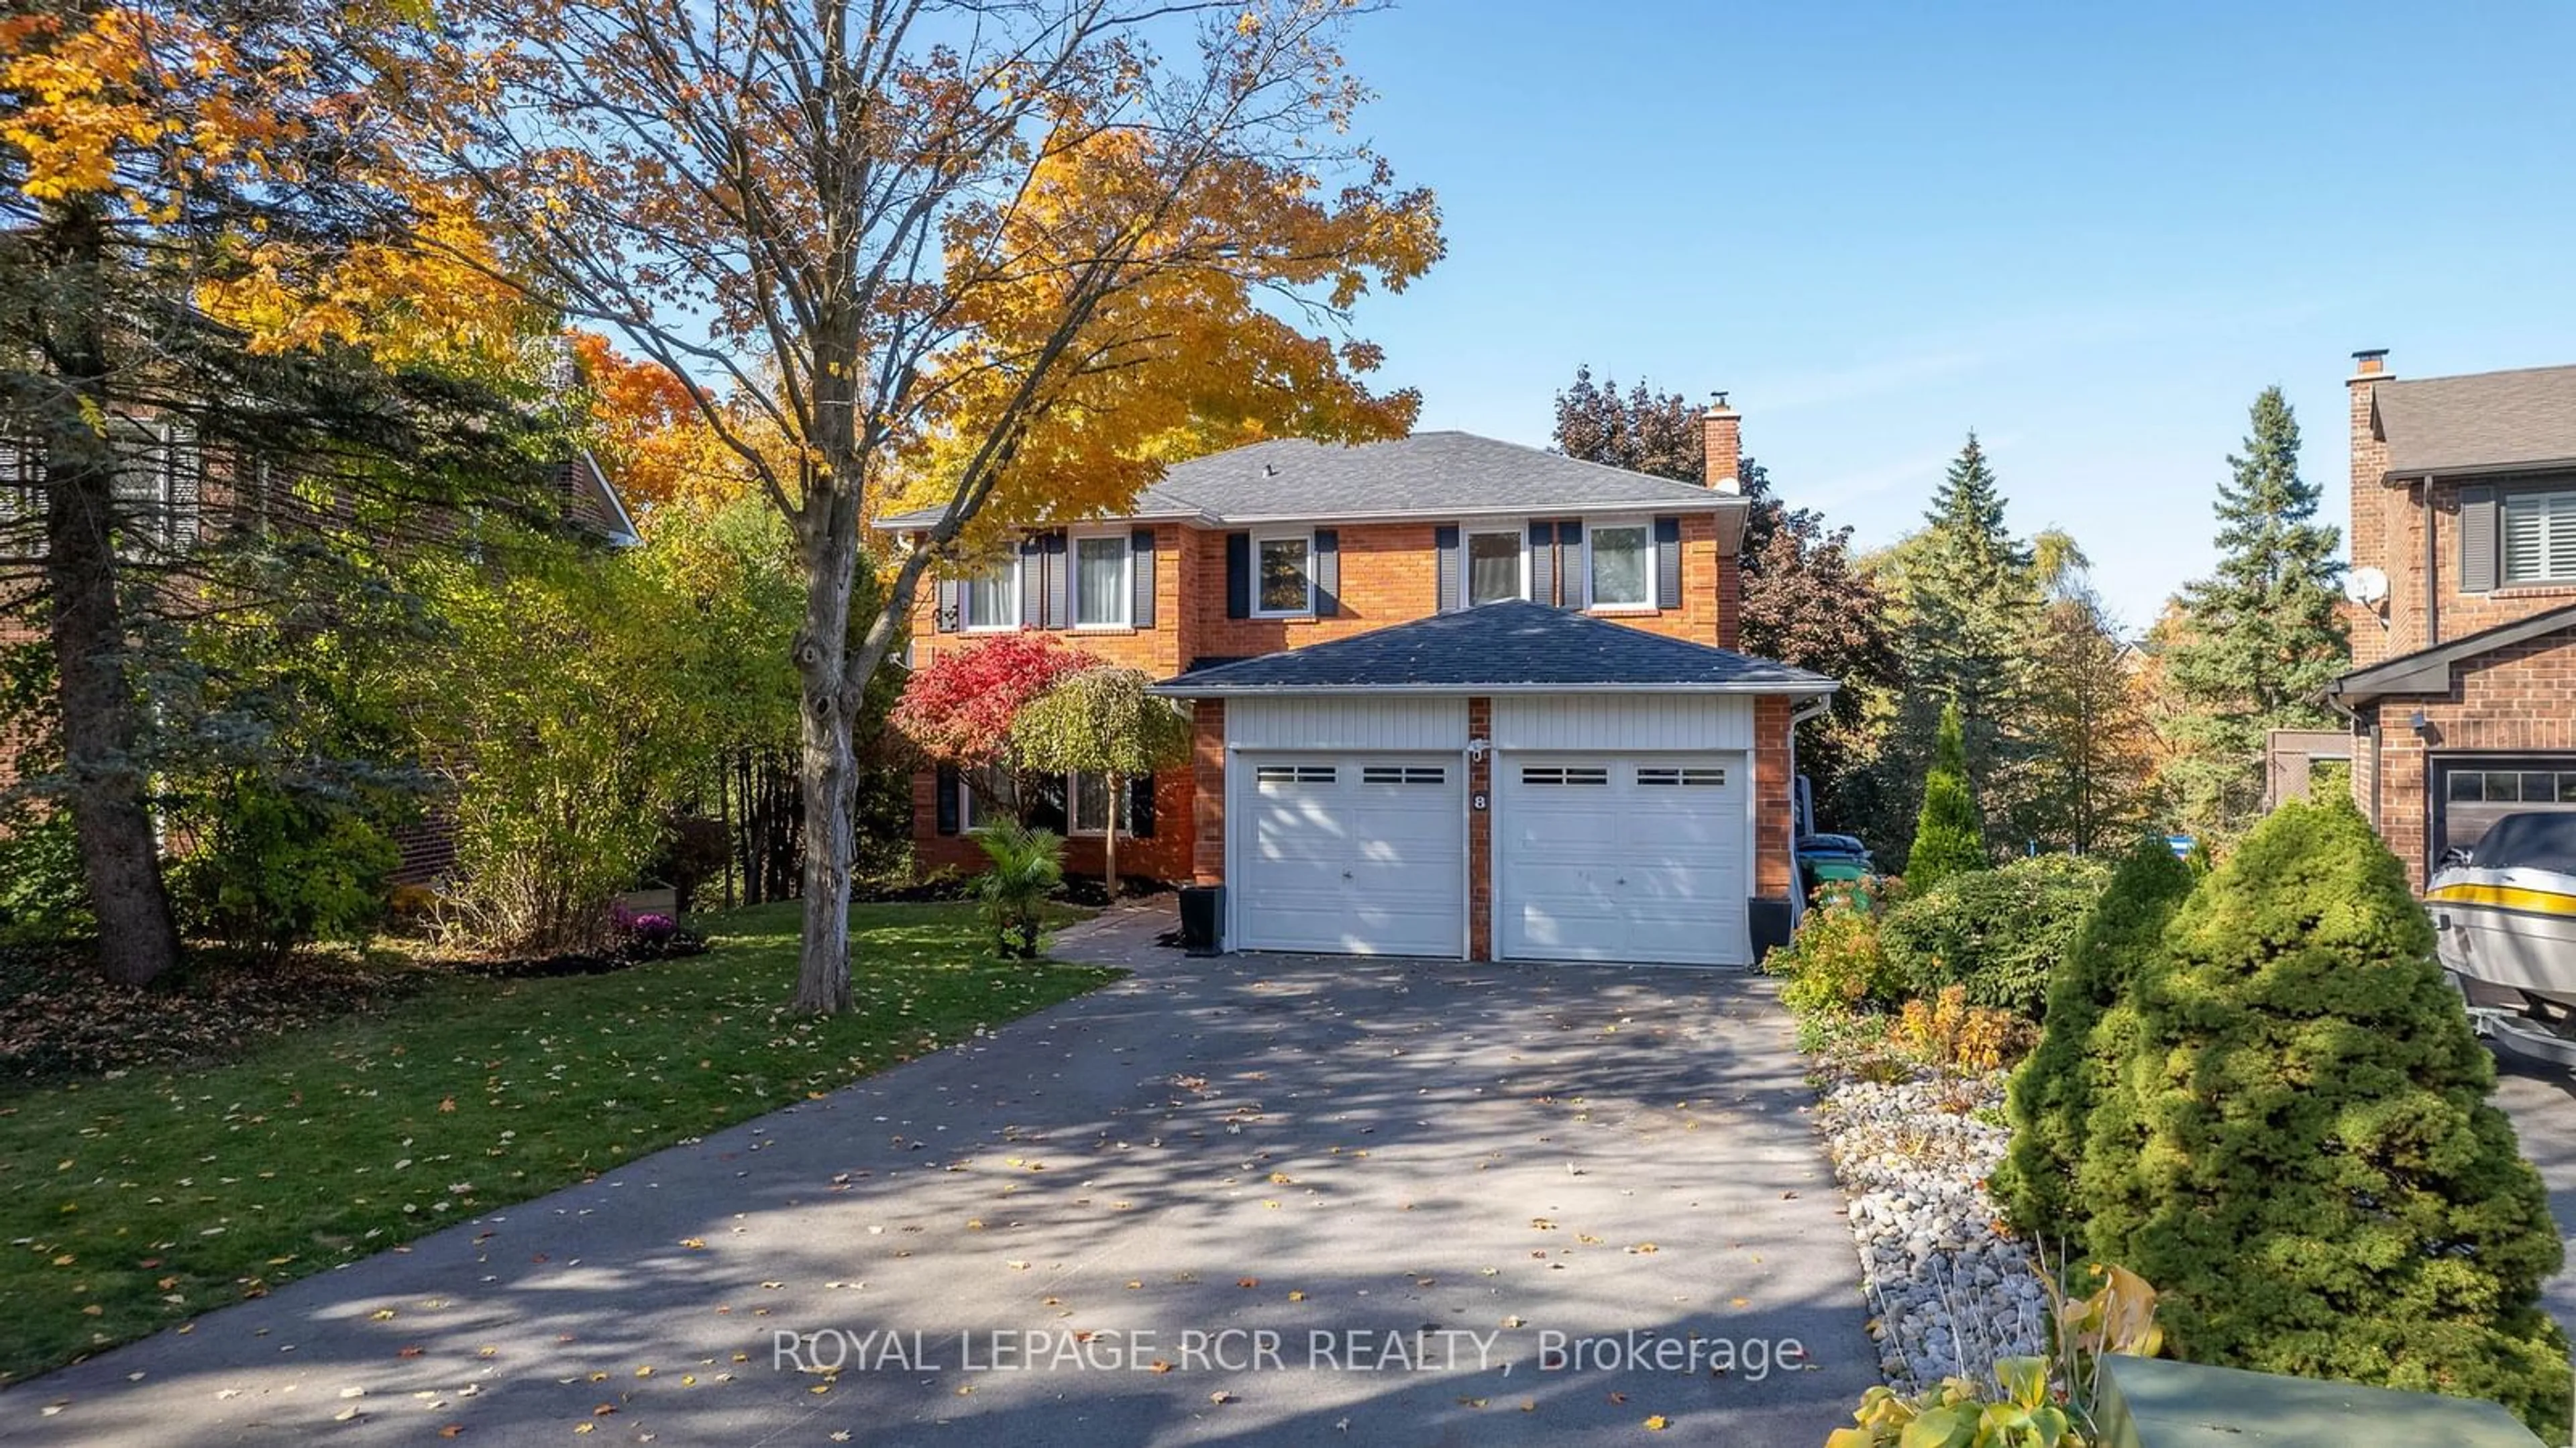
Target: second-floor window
(2540, 538)
(1493, 566)
(1284, 575)
(992, 598)
(1623, 556)
(1101, 583)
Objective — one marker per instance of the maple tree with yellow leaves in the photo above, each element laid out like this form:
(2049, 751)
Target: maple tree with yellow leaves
(1000, 259)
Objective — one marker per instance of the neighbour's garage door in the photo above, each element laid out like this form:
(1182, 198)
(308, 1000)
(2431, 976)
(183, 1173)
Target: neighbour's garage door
(2472, 791)
(1622, 857)
(1360, 855)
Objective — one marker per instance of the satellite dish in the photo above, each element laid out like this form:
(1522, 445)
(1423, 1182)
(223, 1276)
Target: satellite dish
(2365, 586)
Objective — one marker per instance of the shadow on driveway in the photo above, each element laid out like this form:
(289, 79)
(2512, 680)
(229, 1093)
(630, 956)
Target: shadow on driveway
(1450, 1161)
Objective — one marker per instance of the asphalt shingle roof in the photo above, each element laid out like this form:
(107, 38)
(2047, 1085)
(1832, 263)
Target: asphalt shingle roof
(1428, 474)
(2484, 421)
(1507, 647)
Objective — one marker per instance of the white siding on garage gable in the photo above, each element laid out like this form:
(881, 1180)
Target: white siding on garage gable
(1596, 722)
(1354, 722)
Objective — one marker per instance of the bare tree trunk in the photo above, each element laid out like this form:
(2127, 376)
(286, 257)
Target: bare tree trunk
(827, 764)
(120, 859)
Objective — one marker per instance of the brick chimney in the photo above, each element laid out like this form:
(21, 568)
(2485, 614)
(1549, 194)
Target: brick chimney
(1722, 434)
(2374, 531)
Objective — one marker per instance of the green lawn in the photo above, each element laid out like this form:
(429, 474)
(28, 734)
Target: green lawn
(134, 1204)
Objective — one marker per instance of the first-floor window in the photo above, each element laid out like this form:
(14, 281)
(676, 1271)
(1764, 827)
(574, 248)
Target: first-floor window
(1285, 578)
(986, 794)
(1622, 565)
(1493, 567)
(1092, 803)
(993, 597)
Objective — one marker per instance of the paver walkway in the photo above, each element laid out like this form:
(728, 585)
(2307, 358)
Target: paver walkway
(1267, 1198)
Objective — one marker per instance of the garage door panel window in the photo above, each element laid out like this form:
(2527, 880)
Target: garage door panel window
(1402, 774)
(1623, 556)
(1682, 778)
(1295, 774)
(1563, 774)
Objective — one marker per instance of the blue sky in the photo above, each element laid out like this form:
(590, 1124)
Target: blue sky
(2092, 234)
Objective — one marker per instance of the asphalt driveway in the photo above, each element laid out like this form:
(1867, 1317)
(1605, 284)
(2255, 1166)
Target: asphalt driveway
(1245, 1200)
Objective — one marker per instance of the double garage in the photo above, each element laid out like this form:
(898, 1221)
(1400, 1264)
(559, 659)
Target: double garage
(1613, 828)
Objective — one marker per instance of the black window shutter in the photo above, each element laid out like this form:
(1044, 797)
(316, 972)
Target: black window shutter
(1543, 563)
(1328, 572)
(2479, 545)
(1140, 806)
(1059, 582)
(1033, 582)
(1238, 575)
(1140, 570)
(1570, 583)
(944, 611)
(1668, 563)
(946, 789)
(1444, 542)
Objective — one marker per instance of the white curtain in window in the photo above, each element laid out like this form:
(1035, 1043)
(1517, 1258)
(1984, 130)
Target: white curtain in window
(993, 599)
(1493, 567)
(1100, 580)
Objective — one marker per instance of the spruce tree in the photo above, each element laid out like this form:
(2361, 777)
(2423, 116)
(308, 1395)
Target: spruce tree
(2084, 1041)
(1972, 602)
(1948, 837)
(2300, 1153)
(2258, 640)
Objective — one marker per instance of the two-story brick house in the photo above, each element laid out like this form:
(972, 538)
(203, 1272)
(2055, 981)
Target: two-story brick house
(2463, 693)
(1452, 697)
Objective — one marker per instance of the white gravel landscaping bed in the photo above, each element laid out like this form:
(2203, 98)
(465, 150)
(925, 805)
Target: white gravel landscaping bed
(1948, 1293)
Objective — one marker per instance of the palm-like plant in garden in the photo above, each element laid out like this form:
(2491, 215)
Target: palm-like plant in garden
(1028, 864)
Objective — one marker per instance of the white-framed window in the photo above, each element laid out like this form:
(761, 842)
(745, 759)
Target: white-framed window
(991, 599)
(1089, 801)
(1103, 581)
(1621, 554)
(1497, 565)
(1283, 574)
(2539, 538)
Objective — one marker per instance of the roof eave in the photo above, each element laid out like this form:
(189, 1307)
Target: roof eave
(1180, 689)
(2396, 476)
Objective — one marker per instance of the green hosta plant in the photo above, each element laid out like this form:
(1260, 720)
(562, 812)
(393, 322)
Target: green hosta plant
(1027, 866)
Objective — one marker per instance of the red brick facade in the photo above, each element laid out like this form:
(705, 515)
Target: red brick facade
(1480, 833)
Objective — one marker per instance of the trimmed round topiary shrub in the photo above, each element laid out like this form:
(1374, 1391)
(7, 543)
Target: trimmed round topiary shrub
(1999, 933)
(2300, 1152)
(2086, 1037)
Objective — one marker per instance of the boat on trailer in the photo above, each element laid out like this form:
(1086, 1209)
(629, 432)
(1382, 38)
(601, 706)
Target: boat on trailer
(2504, 916)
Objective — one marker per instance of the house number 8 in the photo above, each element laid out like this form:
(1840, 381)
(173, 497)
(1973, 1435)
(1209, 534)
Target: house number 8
(1477, 800)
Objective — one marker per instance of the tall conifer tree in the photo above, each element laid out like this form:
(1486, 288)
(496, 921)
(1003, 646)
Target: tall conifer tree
(2258, 640)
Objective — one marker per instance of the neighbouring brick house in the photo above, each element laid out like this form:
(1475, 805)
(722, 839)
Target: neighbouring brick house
(2463, 692)
(176, 493)
(1452, 696)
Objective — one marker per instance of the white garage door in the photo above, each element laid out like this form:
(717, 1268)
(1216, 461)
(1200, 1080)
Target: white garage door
(1359, 855)
(1622, 857)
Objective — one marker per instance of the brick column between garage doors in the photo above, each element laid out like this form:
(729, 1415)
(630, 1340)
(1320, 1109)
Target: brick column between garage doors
(1480, 832)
